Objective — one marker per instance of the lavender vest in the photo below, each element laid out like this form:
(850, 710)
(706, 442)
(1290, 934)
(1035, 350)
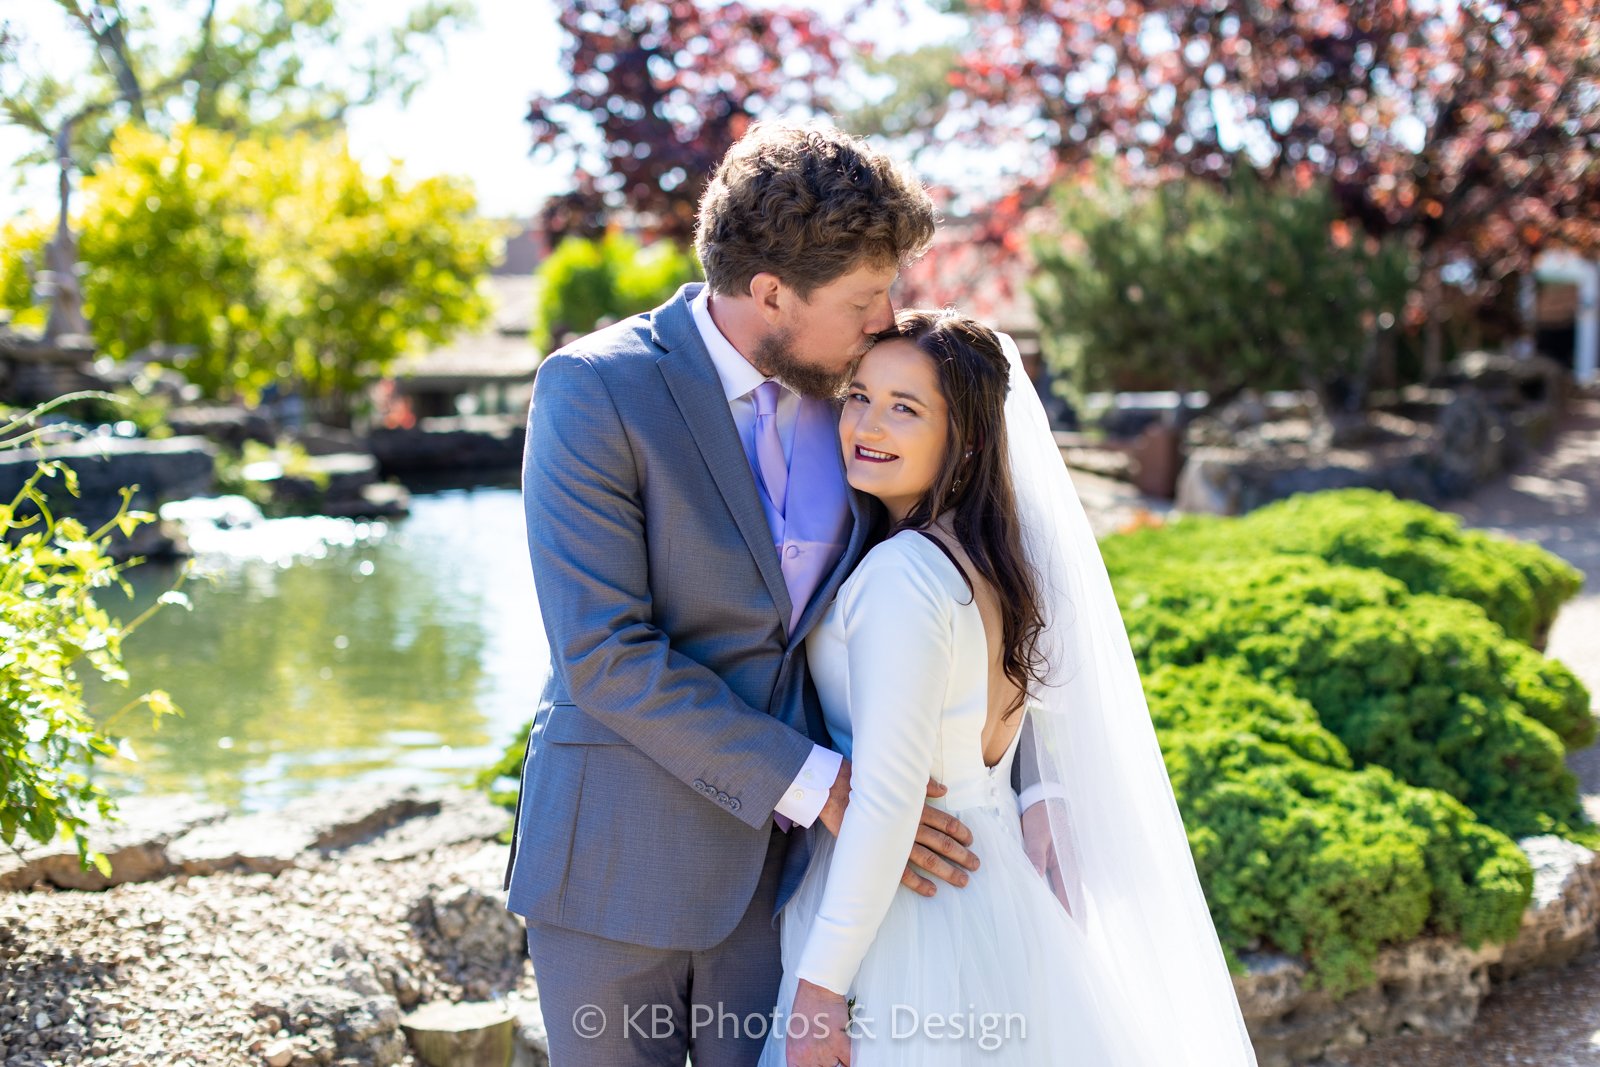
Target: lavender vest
(813, 534)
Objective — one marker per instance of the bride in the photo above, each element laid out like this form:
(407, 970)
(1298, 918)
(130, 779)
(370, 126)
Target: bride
(979, 638)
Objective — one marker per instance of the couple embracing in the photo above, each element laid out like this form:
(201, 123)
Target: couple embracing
(844, 756)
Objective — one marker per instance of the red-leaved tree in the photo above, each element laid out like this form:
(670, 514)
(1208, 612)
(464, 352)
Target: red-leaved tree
(660, 90)
(1473, 128)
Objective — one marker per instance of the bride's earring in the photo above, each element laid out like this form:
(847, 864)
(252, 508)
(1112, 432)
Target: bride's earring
(955, 486)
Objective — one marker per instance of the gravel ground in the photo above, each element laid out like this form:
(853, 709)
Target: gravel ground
(187, 970)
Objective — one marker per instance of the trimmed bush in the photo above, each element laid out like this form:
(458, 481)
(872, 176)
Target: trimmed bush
(1424, 686)
(1519, 586)
(1313, 857)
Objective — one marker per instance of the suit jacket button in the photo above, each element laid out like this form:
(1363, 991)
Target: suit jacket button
(700, 785)
(733, 805)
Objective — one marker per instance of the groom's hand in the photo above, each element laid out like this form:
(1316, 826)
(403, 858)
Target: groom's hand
(942, 839)
(941, 849)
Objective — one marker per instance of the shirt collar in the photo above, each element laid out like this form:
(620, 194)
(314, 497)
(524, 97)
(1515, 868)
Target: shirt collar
(737, 374)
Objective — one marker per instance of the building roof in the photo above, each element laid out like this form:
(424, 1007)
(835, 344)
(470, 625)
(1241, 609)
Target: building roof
(500, 352)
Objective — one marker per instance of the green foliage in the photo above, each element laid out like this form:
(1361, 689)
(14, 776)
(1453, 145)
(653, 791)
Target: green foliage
(501, 780)
(22, 252)
(1519, 586)
(271, 259)
(584, 282)
(1296, 848)
(1186, 286)
(51, 627)
(1425, 686)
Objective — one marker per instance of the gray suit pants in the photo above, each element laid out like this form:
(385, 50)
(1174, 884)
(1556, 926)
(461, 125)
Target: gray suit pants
(625, 1005)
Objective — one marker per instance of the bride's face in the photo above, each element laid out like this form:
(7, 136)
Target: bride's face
(895, 426)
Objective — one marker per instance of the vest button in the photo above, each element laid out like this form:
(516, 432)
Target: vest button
(792, 551)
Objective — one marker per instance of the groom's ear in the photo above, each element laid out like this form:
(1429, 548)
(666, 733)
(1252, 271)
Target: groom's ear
(769, 294)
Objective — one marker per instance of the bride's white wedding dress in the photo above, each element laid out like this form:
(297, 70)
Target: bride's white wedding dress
(992, 972)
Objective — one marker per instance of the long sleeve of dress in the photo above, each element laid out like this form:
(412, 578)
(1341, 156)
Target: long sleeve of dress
(898, 624)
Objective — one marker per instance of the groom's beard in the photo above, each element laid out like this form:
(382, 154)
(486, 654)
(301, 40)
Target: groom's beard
(776, 358)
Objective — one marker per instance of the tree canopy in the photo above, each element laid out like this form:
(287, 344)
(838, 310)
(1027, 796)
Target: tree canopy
(273, 66)
(659, 92)
(266, 258)
(1473, 128)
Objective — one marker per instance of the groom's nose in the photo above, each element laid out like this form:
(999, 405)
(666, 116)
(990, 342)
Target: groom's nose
(883, 319)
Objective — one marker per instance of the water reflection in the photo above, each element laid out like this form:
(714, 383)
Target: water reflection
(317, 657)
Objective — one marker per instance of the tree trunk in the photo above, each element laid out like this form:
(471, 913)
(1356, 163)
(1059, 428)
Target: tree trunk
(462, 1035)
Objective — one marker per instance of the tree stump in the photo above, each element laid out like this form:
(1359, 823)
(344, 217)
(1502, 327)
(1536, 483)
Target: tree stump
(462, 1035)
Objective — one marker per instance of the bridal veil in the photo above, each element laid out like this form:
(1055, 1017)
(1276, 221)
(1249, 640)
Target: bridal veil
(1129, 876)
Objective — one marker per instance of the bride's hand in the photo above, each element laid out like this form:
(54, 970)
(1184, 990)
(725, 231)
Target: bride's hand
(817, 1033)
(1040, 846)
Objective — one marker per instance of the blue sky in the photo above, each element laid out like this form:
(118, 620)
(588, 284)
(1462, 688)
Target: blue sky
(466, 119)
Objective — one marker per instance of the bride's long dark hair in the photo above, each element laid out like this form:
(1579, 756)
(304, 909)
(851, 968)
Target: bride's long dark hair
(973, 483)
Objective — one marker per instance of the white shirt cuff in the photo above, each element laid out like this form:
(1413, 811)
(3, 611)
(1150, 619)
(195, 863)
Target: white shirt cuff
(1039, 791)
(807, 795)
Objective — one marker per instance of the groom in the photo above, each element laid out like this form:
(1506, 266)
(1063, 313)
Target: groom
(689, 520)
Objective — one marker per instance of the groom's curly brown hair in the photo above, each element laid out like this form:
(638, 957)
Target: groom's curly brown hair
(807, 203)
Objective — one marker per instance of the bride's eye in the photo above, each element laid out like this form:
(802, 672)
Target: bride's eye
(862, 397)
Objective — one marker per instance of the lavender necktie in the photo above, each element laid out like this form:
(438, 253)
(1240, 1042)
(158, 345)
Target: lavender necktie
(769, 447)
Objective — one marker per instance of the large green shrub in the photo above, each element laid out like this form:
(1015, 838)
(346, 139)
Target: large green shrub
(1298, 850)
(1187, 286)
(51, 629)
(1425, 686)
(584, 283)
(1520, 586)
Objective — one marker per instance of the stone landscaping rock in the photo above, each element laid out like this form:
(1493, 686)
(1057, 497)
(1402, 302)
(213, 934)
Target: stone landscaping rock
(1432, 985)
(273, 841)
(465, 442)
(1562, 921)
(469, 934)
(460, 816)
(1234, 481)
(356, 1029)
(135, 845)
(380, 500)
(227, 424)
(1432, 443)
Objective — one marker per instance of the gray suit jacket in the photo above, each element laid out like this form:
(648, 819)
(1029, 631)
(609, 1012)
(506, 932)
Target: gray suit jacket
(679, 706)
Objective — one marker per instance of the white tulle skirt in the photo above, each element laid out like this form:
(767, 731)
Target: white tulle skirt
(994, 972)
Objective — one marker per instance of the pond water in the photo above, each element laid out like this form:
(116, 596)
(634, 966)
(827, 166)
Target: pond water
(324, 652)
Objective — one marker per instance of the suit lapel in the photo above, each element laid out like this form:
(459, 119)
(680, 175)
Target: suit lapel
(692, 379)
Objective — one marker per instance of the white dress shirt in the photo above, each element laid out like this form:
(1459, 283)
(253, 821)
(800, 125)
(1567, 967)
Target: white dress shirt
(804, 799)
